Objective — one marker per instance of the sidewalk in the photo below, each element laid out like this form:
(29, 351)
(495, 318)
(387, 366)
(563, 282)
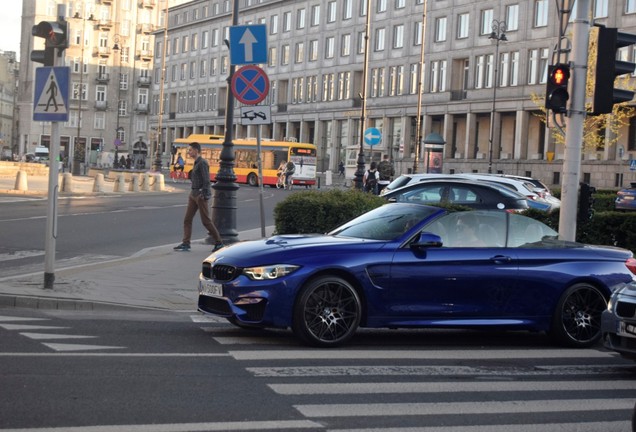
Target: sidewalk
(155, 278)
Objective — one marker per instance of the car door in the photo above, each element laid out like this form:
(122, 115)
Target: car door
(458, 281)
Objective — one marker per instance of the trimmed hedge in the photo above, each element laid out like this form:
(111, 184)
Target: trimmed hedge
(313, 211)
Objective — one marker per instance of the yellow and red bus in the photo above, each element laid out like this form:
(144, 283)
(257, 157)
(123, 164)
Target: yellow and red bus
(303, 155)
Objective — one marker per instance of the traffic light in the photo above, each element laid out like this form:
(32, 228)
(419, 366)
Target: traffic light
(586, 202)
(557, 95)
(55, 35)
(604, 41)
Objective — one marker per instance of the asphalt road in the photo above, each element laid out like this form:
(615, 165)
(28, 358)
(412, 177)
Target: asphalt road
(170, 372)
(92, 228)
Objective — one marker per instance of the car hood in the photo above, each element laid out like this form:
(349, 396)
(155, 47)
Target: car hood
(290, 248)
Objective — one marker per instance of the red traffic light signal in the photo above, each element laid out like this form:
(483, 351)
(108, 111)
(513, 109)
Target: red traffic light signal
(55, 33)
(557, 95)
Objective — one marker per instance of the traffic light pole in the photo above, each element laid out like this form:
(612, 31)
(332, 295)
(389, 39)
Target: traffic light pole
(576, 117)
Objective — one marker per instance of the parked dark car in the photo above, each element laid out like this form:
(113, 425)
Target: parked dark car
(626, 198)
(619, 321)
(477, 195)
(409, 265)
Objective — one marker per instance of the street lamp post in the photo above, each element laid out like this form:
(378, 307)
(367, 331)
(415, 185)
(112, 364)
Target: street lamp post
(359, 174)
(118, 129)
(499, 35)
(75, 156)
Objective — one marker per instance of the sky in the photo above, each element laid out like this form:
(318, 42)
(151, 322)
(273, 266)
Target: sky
(10, 21)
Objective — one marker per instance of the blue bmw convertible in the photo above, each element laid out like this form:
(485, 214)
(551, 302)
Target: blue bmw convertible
(413, 266)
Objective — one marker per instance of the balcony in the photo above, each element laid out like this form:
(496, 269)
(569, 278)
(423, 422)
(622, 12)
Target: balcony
(142, 108)
(104, 24)
(145, 28)
(281, 108)
(101, 52)
(102, 78)
(148, 4)
(458, 95)
(143, 81)
(101, 105)
(144, 55)
(105, 2)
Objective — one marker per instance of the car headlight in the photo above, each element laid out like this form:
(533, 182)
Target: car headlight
(269, 272)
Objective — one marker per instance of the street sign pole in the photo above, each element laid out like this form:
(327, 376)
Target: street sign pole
(51, 212)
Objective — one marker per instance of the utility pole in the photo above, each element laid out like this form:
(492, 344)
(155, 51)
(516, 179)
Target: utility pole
(576, 118)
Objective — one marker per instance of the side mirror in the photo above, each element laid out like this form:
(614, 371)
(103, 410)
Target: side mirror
(427, 240)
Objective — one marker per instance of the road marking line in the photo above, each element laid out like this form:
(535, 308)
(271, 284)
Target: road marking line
(78, 347)
(66, 354)
(10, 318)
(616, 426)
(44, 336)
(453, 408)
(448, 387)
(29, 327)
(422, 355)
(184, 427)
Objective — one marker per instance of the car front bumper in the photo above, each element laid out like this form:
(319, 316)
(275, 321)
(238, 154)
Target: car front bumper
(618, 326)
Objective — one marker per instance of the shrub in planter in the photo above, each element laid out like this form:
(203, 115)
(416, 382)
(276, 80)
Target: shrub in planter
(312, 211)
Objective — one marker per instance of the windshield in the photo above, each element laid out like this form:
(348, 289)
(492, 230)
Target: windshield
(385, 223)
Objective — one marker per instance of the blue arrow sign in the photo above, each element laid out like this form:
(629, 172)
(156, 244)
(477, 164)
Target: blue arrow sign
(50, 98)
(248, 44)
(372, 136)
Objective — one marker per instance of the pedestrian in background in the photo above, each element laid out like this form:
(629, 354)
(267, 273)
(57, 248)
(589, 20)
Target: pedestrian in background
(370, 180)
(199, 200)
(386, 170)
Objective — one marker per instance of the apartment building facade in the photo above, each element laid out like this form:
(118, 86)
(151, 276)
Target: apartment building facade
(316, 66)
(110, 57)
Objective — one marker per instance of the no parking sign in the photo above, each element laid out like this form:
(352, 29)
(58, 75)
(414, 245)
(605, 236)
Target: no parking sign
(250, 85)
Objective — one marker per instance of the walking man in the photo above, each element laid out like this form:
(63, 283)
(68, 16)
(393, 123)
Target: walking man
(199, 200)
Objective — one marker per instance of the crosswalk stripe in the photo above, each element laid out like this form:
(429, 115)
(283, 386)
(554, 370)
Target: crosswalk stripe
(78, 347)
(421, 355)
(29, 327)
(474, 407)
(252, 341)
(4, 318)
(495, 371)
(449, 387)
(616, 426)
(45, 336)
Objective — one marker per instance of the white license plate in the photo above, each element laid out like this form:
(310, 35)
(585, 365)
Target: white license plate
(210, 288)
(625, 329)
(628, 198)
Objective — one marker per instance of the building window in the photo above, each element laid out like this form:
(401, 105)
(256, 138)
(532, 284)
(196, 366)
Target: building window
(414, 78)
(400, 4)
(76, 91)
(379, 39)
(193, 69)
(462, 25)
(300, 52)
(398, 36)
(214, 38)
(438, 76)
(99, 121)
(315, 15)
(330, 47)
(361, 43)
(396, 80)
(512, 17)
(273, 24)
(273, 55)
(630, 6)
(300, 18)
(284, 58)
(381, 6)
(345, 45)
(417, 37)
(486, 22)
(600, 8)
(440, 29)
(541, 13)
(203, 68)
(347, 9)
(331, 12)
(537, 66)
(286, 21)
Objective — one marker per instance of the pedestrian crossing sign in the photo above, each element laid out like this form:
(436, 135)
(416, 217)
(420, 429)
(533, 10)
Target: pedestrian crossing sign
(50, 98)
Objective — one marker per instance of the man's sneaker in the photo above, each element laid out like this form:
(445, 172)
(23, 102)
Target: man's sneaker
(217, 246)
(182, 247)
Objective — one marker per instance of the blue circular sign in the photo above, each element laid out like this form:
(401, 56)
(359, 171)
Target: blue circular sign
(372, 136)
(250, 85)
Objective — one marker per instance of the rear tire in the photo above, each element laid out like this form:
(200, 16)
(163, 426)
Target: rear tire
(577, 318)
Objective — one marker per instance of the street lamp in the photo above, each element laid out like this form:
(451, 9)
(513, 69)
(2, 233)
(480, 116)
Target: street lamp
(359, 174)
(499, 35)
(118, 129)
(76, 152)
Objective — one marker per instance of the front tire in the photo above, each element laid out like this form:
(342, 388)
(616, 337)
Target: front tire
(327, 312)
(577, 318)
(252, 179)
